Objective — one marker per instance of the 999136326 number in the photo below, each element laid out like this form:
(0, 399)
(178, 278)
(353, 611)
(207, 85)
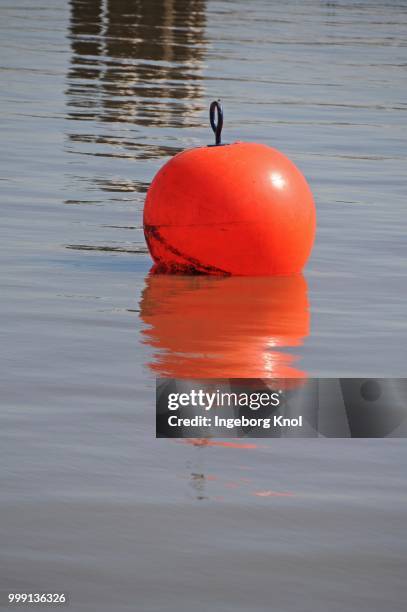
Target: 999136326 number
(37, 598)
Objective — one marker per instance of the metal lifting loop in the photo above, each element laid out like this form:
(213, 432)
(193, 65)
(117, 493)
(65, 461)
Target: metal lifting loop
(216, 127)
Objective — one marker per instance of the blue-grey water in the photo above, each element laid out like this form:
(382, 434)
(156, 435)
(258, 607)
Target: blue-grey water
(95, 96)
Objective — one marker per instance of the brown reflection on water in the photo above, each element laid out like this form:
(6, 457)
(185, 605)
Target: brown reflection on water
(235, 327)
(138, 62)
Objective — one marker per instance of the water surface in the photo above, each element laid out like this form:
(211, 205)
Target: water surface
(96, 95)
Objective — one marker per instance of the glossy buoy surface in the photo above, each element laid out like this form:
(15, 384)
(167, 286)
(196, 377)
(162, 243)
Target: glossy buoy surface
(237, 209)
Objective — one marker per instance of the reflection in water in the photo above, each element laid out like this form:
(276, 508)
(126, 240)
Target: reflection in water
(235, 327)
(137, 62)
(198, 485)
(205, 485)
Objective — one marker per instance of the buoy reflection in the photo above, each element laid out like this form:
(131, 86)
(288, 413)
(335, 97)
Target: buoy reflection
(217, 327)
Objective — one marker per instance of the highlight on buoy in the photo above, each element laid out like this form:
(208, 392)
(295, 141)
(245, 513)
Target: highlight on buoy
(229, 209)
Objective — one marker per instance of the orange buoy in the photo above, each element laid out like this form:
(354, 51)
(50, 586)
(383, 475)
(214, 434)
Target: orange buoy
(233, 209)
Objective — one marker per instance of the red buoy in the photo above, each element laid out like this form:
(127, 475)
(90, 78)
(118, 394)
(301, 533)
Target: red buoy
(235, 209)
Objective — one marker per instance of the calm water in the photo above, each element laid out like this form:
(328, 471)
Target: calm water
(95, 97)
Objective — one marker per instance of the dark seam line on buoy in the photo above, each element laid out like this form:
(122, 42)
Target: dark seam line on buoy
(211, 224)
(153, 231)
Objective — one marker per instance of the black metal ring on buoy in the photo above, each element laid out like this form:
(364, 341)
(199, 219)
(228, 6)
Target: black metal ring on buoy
(216, 127)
